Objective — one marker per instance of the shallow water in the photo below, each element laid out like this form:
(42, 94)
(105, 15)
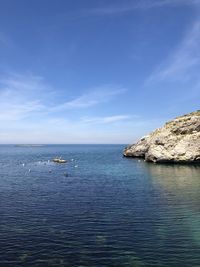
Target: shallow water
(99, 209)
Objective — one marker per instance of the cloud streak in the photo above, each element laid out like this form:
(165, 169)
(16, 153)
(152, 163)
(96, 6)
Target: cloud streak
(93, 97)
(106, 120)
(24, 96)
(16, 97)
(182, 64)
(26, 118)
(135, 5)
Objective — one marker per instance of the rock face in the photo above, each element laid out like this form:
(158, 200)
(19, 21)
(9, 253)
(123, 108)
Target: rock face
(177, 141)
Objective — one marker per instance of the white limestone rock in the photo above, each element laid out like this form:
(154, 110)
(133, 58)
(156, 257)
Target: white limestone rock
(177, 141)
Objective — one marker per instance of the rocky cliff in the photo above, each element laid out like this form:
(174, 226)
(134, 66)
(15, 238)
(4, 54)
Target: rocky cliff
(177, 141)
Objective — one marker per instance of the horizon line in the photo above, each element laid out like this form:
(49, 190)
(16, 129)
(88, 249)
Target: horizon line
(37, 144)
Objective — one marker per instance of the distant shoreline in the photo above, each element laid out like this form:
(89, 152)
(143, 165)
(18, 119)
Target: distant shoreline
(78, 144)
(24, 145)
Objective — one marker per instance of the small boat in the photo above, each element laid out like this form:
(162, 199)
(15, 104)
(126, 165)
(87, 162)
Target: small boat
(62, 161)
(59, 160)
(56, 160)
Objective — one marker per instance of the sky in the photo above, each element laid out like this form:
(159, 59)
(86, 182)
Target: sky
(96, 71)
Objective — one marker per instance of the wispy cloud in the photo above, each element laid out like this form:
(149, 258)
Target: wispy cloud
(27, 118)
(106, 120)
(93, 97)
(18, 97)
(22, 96)
(184, 63)
(129, 6)
(13, 111)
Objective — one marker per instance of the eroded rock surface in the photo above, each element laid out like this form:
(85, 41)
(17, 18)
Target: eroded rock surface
(177, 141)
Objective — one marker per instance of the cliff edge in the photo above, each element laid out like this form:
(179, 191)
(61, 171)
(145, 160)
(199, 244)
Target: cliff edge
(177, 141)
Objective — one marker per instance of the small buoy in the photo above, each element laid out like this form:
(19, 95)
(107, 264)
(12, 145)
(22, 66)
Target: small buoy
(50, 171)
(23, 164)
(29, 170)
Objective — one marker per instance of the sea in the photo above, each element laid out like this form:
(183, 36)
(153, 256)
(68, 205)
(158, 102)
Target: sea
(97, 210)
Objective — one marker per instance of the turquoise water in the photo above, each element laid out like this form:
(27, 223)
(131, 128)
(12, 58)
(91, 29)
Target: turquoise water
(100, 209)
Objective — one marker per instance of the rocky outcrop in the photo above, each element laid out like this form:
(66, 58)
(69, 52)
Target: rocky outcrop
(177, 141)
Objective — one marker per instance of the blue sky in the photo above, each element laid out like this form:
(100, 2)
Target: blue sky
(96, 71)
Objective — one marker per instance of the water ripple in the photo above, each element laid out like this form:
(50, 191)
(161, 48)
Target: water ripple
(108, 211)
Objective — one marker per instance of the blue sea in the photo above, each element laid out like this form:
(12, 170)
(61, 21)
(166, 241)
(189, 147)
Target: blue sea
(98, 210)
